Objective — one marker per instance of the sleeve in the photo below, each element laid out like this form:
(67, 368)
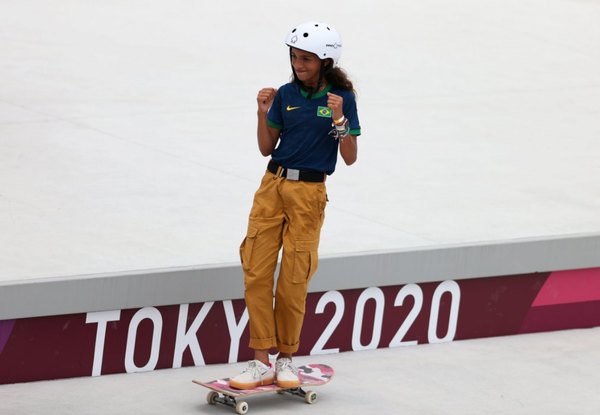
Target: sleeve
(275, 116)
(351, 113)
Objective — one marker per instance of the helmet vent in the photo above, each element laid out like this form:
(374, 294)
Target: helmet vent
(305, 34)
(294, 31)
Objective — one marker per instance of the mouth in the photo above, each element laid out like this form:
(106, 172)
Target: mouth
(303, 75)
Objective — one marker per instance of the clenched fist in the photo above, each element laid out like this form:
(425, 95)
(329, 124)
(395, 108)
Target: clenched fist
(265, 99)
(336, 103)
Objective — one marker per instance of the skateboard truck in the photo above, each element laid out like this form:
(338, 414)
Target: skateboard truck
(241, 407)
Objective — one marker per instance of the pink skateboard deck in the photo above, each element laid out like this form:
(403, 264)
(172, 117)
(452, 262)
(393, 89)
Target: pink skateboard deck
(310, 375)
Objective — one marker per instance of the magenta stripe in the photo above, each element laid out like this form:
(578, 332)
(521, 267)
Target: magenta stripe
(6, 327)
(567, 287)
(562, 317)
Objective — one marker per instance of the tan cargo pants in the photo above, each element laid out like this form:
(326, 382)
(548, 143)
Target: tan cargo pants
(284, 212)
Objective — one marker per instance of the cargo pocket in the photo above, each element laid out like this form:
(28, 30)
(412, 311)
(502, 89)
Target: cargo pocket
(306, 261)
(246, 248)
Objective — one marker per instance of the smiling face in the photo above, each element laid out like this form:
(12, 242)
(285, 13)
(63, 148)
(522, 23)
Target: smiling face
(307, 66)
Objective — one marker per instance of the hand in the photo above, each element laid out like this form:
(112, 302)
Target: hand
(265, 99)
(336, 103)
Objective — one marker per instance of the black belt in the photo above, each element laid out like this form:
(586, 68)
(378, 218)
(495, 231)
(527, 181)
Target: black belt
(293, 174)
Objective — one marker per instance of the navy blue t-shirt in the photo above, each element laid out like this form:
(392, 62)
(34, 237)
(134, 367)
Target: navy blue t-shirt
(305, 124)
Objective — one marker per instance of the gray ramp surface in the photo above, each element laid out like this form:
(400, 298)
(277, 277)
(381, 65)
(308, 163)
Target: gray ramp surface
(127, 129)
(127, 143)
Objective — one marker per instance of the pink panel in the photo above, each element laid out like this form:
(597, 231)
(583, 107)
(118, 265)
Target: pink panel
(566, 287)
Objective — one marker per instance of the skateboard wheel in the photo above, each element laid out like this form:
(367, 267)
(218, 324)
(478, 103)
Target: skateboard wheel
(310, 397)
(241, 407)
(211, 398)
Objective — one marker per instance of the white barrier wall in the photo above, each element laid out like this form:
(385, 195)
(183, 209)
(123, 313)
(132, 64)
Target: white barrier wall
(191, 285)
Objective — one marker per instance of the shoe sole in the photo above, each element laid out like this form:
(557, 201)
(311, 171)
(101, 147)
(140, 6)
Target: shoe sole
(254, 385)
(288, 384)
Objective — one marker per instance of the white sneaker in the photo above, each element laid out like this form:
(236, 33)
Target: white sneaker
(287, 373)
(255, 375)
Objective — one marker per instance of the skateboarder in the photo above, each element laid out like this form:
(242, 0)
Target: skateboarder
(302, 126)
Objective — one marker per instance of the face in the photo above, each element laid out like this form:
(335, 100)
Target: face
(307, 66)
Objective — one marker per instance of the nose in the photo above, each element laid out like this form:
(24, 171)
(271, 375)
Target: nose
(297, 64)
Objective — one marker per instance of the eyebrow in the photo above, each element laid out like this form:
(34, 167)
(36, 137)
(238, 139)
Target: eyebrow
(302, 55)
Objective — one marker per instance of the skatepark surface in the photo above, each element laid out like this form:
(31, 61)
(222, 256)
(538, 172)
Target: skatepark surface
(127, 137)
(128, 129)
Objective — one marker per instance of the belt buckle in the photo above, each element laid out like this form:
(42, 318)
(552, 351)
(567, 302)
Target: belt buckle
(292, 174)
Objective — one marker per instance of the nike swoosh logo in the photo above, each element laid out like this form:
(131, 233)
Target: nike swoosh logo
(289, 108)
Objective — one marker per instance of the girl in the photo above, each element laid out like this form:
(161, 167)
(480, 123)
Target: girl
(301, 126)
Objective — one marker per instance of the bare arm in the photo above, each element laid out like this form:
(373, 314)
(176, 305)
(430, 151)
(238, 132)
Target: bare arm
(267, 136)
(349, 149)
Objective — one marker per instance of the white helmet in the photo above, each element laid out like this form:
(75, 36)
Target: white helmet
(318, 38)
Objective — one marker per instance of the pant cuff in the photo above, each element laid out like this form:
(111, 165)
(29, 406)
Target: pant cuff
(263, 344)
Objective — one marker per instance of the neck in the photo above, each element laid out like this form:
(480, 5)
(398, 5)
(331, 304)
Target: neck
(314, 85)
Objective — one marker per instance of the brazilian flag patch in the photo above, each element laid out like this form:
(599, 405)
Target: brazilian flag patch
(324, 112)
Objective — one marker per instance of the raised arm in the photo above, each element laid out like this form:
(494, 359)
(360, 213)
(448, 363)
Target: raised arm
(267, 136)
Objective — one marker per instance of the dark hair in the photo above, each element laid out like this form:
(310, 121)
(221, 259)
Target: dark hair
(338, 78)
(334, 75)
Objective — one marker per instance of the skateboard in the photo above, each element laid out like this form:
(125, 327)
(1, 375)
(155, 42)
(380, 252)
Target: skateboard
(310, 375)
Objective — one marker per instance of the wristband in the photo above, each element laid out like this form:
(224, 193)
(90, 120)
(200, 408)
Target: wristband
(340, 120)
(340, 131)
(342, 127)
